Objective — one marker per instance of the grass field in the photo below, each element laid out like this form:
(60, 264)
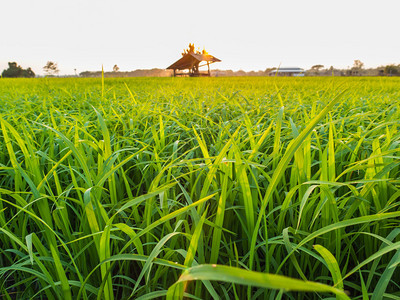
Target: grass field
(204, 188)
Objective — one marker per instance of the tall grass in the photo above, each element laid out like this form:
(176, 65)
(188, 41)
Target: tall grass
(231, 188)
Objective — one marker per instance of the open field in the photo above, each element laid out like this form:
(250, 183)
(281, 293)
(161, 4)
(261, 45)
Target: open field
(208, 187)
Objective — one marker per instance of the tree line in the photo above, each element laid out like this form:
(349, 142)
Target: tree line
(356, 70)
(16, 71)
(51, 69)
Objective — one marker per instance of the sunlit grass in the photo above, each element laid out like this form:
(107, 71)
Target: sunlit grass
(200, 188)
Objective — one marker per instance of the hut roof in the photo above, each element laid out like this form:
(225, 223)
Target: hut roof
(189, 59)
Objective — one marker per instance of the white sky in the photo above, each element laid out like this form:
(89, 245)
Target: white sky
(246, 34)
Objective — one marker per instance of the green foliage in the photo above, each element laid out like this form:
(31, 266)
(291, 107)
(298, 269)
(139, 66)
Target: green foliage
(392, 70)
(15, 71)
(202, 188)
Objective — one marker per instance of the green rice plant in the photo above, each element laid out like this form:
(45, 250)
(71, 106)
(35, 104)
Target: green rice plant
(199, 188)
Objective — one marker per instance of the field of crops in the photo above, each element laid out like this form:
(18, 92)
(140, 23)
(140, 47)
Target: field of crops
(206, 188)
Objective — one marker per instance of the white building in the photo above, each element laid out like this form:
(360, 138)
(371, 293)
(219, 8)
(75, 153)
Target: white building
(287, 72)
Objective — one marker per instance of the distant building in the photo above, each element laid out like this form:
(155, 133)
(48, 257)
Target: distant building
(287, 72)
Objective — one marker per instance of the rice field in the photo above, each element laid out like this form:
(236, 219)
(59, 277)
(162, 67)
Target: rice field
(200, 188)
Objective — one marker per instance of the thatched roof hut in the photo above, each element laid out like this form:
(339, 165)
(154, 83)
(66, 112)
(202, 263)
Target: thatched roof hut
(191, 61)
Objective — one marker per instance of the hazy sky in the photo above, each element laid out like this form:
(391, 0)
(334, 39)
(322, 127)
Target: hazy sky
(247, 35)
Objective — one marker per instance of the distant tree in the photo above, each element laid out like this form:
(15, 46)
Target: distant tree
(15, 71)
(51, 68)
(28, 73)
(331, 71)
(240, 73)
(268, 70)
(115, 68)
(391, 70)
(358, 64)
(356, 69)
(317, 68)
